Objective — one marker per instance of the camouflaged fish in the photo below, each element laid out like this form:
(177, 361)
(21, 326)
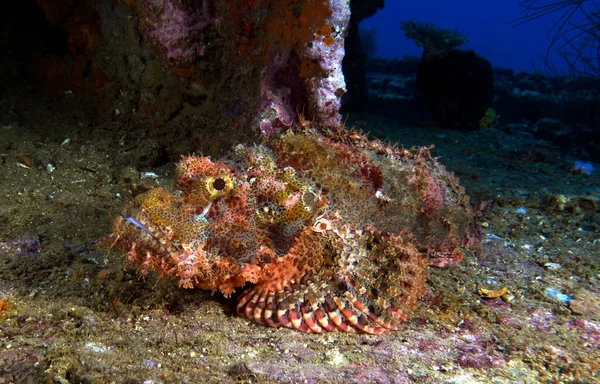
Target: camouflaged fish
(323, 232)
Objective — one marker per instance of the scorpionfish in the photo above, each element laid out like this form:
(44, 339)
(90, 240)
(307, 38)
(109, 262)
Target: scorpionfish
(323, 231)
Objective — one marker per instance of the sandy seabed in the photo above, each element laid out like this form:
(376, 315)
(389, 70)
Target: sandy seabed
(72, 312)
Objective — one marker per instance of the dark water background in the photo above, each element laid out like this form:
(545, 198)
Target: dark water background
(490, 25)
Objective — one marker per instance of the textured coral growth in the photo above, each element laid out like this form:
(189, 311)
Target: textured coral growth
(299, 220)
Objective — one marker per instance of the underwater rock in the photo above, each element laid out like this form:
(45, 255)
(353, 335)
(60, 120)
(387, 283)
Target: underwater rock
(291, 49)
(551, 129)
(177, 29)
(186, 66)
(459, 86)
(72, 36)
(325, 231)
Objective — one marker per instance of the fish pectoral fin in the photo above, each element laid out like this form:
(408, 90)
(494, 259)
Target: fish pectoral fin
(350, 292)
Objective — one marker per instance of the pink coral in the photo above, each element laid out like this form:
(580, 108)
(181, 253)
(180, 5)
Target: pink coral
(176, 28)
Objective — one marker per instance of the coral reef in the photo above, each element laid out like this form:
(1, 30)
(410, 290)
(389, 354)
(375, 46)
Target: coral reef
(431, 37)
(335, 232)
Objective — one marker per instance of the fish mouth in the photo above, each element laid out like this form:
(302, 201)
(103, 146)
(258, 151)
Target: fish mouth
(136, 222)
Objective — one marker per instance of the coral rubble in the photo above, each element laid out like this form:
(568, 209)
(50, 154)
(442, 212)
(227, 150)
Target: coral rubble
(333, 231)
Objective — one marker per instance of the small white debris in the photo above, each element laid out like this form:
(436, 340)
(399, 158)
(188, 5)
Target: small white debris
(553, 266)
(522, 211)
(65, 141)
(96, 347)
(50, 168)
(381, 196)
(150, 175)
(23, 165)
(555, 294)
(334, 357)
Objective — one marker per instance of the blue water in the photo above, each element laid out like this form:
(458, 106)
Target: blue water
(490, 25)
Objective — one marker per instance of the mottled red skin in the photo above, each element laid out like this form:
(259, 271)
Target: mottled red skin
(333, 232)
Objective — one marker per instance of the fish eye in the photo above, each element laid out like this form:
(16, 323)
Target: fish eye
(219, 184)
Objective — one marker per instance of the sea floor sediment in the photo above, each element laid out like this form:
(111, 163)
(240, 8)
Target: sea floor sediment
(523, 306)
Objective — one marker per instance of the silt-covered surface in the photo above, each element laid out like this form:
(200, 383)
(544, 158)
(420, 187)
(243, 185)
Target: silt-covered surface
(72, 312)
